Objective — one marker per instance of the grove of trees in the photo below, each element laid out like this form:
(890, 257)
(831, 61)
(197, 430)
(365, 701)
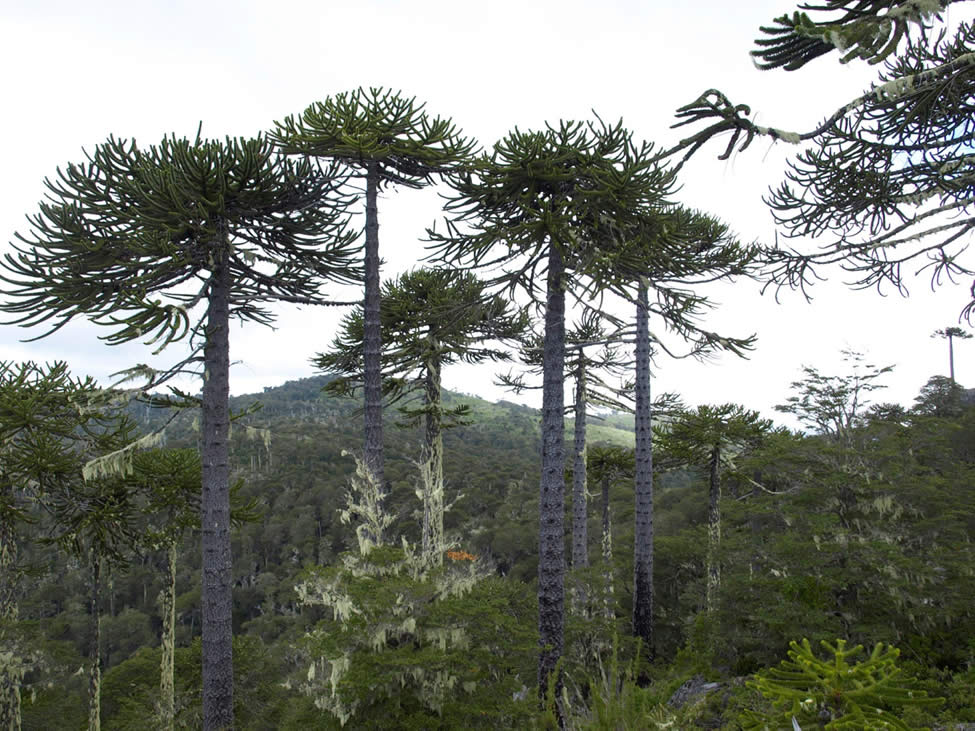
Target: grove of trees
(422, 583)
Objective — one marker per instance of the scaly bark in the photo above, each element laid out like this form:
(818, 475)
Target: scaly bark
(167, 685)
(551, 548)
(95, 651)
(714, 528)
(643, 537)
(218, 676)
(580, 532)
(433, 503)
(371, 340)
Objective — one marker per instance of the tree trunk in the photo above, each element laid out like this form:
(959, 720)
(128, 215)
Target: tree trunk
(95, 650)
(371, 340)
(607, 545)
(951, 359)
(551, 546)
(167, 685)
(217, 602)
(714, 528)
(433, 503)
(11, 655)
(580, 533)
(643, 536)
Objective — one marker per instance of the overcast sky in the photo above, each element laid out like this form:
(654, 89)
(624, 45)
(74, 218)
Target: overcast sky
(75, 73)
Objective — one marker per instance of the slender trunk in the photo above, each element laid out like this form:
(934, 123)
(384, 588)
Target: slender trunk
(433, 503)
(167, 685)
(951, 359)
(714, 529)
(551, 546)
(580, 534)
(607, 545)
(371, 342)
(95, 650)
(11, 656)
(217, 602)
(643, 536)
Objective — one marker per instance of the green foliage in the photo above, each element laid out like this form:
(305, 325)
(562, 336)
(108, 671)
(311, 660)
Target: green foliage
(161, 216)
(835, 694)
(447, 646)
(618, 702)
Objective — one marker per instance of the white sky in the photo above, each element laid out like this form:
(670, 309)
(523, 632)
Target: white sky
(73, 73)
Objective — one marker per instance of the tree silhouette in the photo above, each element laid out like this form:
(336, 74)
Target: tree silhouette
(950, 333)
(46, 417)
(710, 437)
(388, 140)
(550, 198)
(589, 371)
(885, 183)
(229, 224)
(670, 250)
(431, 318)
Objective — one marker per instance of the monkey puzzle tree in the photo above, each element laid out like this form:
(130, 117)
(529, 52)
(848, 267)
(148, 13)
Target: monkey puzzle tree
(549, 198)
(134, 239)
(96, 521)
(42, 421)
(671, 250)
(886, 181)
(431, 318)
(608, 464)
(388, 140)
(589, 372)
(949, 334)
(711, 437)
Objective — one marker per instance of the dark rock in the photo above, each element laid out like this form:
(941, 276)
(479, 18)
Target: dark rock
(690, 691)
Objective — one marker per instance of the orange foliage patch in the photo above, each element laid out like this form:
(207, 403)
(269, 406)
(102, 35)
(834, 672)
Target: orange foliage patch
(461, 556)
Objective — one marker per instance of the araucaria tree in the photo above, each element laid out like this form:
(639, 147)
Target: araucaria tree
(591, 358)
(669, 250)
(886, 181)
(430, 318)
(549, 200)
(949, 334)
(710, 437)
(134, 239)
(387, 140)
(44, 424)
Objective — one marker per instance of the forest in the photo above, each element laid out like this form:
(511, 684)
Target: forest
(366, 549)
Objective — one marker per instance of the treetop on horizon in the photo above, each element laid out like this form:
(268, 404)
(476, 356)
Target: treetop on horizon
(376, 126)
(132, 227)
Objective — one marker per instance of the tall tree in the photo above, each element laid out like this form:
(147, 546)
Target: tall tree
(431, 318)
(607, 465)
(589, 372)
(386, 139)
(229, 224)
(885, 182)
(96, 521)
(549, 198)
(949, 334)
(43, 418)
(670, 250)
(711, 437)
(169, 481)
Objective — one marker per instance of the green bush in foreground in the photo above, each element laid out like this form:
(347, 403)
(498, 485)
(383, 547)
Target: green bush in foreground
(832, 693)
